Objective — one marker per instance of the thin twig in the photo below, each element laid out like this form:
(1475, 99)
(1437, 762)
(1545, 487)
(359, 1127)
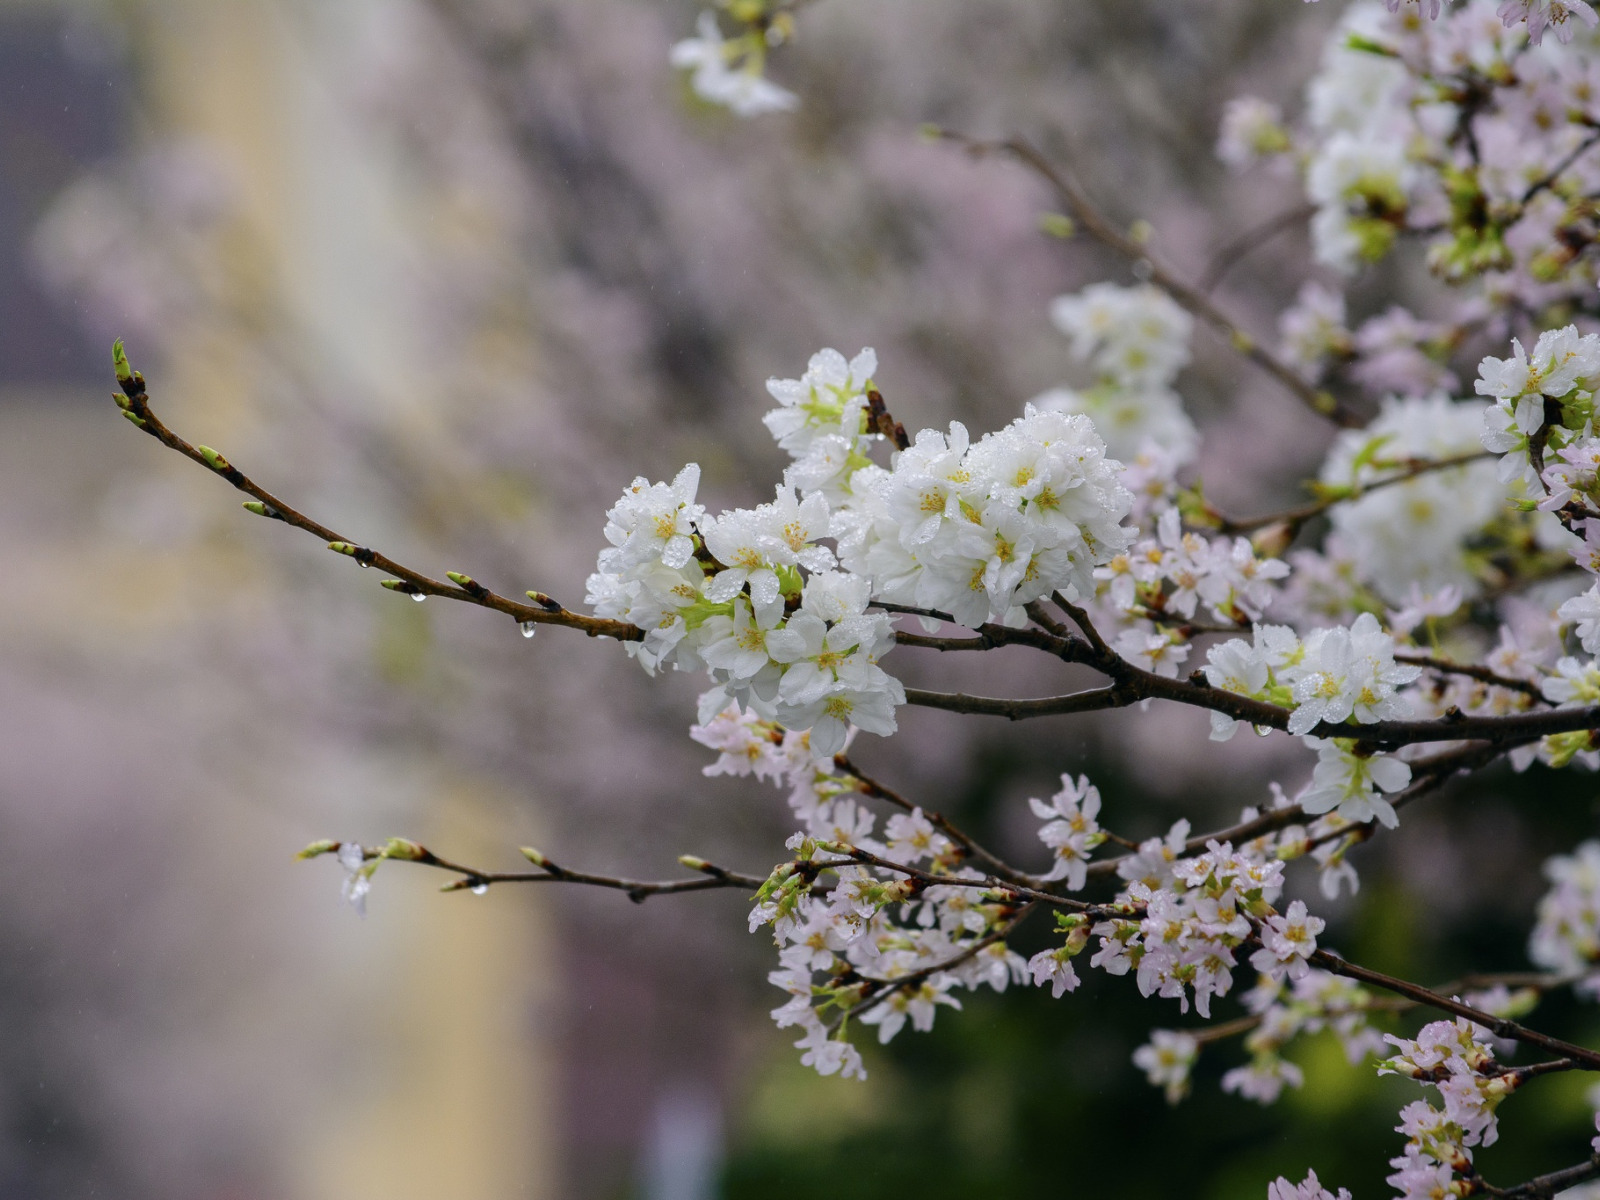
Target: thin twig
(543, 612)
(711, 877)
(1294, 518)
(1560, 168)
(1543, 1187)
(1241, 247)
(1481, 674)
(1099, 227)
(884, 989)
(1499, 1026)
(943, 824)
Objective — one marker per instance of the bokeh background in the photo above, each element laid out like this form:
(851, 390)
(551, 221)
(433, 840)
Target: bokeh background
(449, 273)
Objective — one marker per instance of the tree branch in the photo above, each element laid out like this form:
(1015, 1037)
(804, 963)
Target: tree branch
(135, 404)
(1499, 1026)
(872, 787)
(711, 878)
(1543, 1187)
(1100, 228)
(1294, 518)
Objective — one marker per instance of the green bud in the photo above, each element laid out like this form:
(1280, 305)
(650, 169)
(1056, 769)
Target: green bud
(460, 580)
(137, 420)
(931, 132)
(122, 400)
(394, 585)
(1564, 747)
(403, 850)
(119, 361)
(316, 848)
(213, 460)
(1141, 231)
(694, 863)
(256, 507)
(1366, 45)
(536, 858)
(1057, 225)
(342, 548)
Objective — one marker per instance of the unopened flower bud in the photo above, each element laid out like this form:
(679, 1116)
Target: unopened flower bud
(1057, 225)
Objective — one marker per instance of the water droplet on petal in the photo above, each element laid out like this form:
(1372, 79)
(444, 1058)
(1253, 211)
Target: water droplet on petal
(529, 628)
(418, 597)
(479, 889)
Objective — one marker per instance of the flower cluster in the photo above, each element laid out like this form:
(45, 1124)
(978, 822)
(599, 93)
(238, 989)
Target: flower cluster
(1566, 938)
(1313, 1001)
(729, 71)
(1309, 1188)
(1070, 830)
(1200, 911)
(725, 594)
(1453, 1057)
(1543, 402)
(1135, 340)
(1176, 571)
(979, 530)
(1423, 531)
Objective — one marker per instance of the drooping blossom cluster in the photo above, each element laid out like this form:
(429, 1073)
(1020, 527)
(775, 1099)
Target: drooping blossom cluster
(869, 925)
(1454, 1057)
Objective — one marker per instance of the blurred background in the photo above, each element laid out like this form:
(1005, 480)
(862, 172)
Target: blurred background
(449, 273)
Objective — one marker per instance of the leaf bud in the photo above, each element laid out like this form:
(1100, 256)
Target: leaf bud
(403, 850)
(315, 848)
(1057, 225)
(213, 460)
(119, 361)
(535, 857)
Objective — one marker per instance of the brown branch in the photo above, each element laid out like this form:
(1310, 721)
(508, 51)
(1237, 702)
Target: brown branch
(711, 878)
(1294, 518)
(1100, 228)
(1560, 168)
(1427, 775)
(1236, 251)
(988, 883)
(1499, 1026)
(1543, 1187)
(1481, 674)
(1132, 684)
(544, 611)
(944, 825)
(882, 990)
